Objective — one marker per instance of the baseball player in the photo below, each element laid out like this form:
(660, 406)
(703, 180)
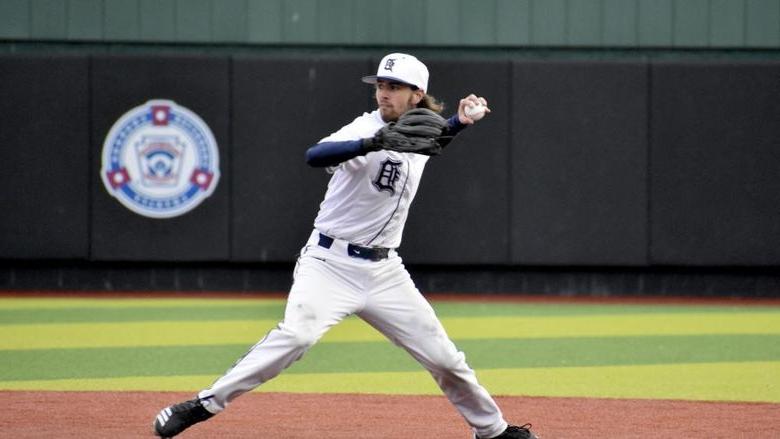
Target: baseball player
(350, 265)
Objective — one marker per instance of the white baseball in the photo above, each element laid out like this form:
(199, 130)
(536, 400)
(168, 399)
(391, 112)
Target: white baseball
(475, 112)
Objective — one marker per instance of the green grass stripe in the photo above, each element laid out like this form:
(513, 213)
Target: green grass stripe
(248, 311)
(475, 309)
(386, 357)
(85, 302)
(755, 382)
(78, 310)
(46, 336)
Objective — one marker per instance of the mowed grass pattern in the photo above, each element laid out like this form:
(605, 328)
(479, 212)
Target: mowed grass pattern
(702, 352)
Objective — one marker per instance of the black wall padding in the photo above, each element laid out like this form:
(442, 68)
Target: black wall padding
(582, 162)
(199, 83)
(715, 164)
(44, 139)
(578, 155)
(461, 212)
(281, 108)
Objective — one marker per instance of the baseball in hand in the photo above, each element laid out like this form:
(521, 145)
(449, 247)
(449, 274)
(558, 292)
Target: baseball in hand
(475, 112)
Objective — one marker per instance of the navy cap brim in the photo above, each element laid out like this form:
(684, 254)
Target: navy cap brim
(372, 79)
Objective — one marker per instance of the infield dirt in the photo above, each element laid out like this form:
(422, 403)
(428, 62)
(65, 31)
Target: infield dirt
(331, 416)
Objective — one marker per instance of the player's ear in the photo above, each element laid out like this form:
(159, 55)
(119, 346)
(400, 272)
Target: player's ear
(417, 96)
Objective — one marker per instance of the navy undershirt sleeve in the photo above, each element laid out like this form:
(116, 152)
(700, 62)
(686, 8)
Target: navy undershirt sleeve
(454, 125)
(332, 153)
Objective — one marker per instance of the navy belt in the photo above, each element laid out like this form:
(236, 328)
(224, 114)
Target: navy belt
(356, 251)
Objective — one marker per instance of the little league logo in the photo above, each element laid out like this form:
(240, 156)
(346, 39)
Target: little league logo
(160, 160)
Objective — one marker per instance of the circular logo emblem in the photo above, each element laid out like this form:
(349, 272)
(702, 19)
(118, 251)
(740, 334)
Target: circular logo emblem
(160, 160)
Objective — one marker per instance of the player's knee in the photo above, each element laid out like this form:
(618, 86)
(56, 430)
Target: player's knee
(448, 362)
(304, 341)
(302, 338)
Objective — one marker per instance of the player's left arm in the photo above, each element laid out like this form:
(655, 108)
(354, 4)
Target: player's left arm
(326, 154)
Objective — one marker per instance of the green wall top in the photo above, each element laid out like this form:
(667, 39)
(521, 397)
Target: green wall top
(667, 24)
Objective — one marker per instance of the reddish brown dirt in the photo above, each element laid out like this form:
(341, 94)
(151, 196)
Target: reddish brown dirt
(277, 415)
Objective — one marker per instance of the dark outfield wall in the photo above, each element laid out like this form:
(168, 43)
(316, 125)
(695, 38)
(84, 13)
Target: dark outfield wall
(581, 163)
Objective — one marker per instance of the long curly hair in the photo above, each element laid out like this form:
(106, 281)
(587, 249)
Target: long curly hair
(431, 103)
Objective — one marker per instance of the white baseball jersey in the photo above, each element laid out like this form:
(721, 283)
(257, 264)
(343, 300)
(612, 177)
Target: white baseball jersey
(368, 197)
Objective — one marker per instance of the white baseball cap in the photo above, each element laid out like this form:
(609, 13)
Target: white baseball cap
(401, 67)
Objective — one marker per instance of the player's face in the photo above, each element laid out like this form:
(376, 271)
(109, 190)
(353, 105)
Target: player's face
(394, 99)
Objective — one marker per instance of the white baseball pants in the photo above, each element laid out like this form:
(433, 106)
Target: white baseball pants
(329, 286)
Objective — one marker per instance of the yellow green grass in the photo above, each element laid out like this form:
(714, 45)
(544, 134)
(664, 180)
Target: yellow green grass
(710, 382)
(729, 353)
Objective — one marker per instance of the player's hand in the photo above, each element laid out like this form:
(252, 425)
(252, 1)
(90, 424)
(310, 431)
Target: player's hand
(468, 101)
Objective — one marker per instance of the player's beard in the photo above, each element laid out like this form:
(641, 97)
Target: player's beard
(391, 114)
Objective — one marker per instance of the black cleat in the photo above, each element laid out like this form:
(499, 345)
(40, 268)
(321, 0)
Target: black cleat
(515, 432)
(178, 417)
